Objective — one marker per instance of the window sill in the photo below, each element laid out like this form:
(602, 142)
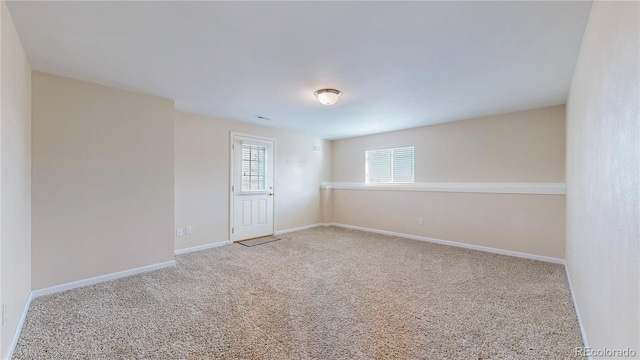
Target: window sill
(253, 193)
(485, 187)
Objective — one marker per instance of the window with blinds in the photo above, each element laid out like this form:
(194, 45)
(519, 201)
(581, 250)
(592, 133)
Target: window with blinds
(389, 166)
(254, 167)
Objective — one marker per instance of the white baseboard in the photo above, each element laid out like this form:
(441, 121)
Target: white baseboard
(202, 247)
(99, 279)
(300, 228)
(456, 244)
(16, 334)
(575, 305)
(72, 285)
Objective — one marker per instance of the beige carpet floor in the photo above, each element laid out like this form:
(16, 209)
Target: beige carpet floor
(324, 293)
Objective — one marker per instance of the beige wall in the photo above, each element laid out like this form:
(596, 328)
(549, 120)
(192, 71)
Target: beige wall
(603, 177)
(102, 180)
(532, 224)
(15, 184)
(326, 204)
(526, 146)
(202, 177)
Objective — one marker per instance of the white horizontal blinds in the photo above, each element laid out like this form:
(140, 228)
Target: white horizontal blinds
(389, 165)
(378, 166)
(402, 165)
(254, 166)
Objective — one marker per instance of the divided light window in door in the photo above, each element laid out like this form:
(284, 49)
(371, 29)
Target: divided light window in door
(254, 166)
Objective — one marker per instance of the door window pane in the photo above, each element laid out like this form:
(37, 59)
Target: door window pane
(254, 165)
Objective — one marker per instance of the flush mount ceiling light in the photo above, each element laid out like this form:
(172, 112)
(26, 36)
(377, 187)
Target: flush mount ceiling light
(327, 96)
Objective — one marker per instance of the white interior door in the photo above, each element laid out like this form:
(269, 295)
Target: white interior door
(252, 187)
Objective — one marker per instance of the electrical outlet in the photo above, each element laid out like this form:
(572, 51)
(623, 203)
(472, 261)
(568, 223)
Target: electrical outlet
(301, 214)
(420, 221)
(188, 230)
(179, 232)
(4, 313)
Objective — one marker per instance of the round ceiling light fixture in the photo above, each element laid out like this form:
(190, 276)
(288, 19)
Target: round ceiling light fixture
(327, 96)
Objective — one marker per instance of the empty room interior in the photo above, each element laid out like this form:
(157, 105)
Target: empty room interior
(320, 179)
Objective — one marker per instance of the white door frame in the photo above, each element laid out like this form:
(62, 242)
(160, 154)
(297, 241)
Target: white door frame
(233, 134)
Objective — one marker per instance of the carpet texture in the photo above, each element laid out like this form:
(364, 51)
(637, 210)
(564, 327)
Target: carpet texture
(323, 293)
